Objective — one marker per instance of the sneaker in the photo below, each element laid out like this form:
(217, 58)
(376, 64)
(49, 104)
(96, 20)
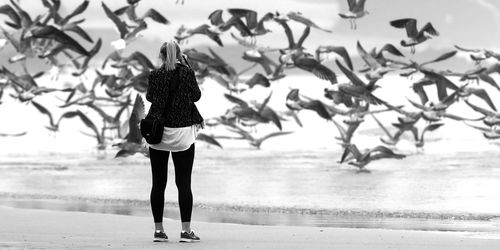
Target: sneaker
(189, 237)
(160, 237)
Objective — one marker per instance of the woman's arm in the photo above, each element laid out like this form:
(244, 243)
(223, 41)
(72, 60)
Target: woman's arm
(190, 79)
(152, 88)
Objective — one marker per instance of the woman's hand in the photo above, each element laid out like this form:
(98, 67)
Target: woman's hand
(185, 61)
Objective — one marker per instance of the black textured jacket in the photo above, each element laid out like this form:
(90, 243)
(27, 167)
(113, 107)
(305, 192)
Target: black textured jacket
(183, 111)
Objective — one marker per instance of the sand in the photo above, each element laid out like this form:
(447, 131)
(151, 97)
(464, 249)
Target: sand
(45, 229)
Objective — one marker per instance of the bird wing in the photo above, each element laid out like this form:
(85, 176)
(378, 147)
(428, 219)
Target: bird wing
(481, 93)
(317, 106)
(51, 32)
(269, 114)
(315, 67)
(265, 102)
(298, 17)
(78, 10)
(391, 49)
(410, 24)
(386, 131)
(141, 58)
(350, 75)
(249, 15)
(45, 111)
(216, 17)
(274, 134)
(339, 50)
(91, 125)
(430, 127)
(156, 16)
(236, 100)
(429, 29)
(418, 88)
(288, 32)
(467, 50)
(12, 14)
(303, 37)
(75, 28)
(494, 68)
(368, 58)
(138, 113)
(208, 139)
(352, 4)
(419, 106)
(120, 25)
(258, 79)
(341, 130)
(488, 79)
(442, 57)
(360, 6)
(482, 110)
(483, 129)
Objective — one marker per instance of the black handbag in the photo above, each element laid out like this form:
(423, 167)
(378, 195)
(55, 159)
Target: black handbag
(152, 129)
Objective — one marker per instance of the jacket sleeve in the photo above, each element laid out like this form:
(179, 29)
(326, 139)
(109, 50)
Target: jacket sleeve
(194, 89)
(152, 88)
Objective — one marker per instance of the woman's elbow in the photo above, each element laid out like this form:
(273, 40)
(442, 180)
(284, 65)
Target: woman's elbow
(195, 98)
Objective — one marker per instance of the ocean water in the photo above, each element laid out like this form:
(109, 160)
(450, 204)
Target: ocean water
(297, 176)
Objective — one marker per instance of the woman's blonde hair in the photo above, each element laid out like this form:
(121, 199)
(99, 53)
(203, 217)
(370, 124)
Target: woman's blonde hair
(169, 52)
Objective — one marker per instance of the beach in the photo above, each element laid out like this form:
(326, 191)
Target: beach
(44, 229)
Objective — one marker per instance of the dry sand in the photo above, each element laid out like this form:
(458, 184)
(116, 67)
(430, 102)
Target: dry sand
(44, 229)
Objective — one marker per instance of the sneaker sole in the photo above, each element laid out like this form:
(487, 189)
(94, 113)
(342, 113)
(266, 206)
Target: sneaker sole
(160, 240)
(188, 240)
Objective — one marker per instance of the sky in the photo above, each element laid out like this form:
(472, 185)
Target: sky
(468, 23)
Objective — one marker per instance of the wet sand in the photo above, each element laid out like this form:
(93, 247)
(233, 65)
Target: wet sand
(45, 229)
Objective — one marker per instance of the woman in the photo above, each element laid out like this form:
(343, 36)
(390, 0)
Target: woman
(172, 92)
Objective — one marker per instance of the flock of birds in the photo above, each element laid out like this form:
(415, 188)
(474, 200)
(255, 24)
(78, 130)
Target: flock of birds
(47, 37)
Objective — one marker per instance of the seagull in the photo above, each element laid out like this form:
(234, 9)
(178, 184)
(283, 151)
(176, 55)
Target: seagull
(419, 67)
(298, 17)
(485, 75)
(360, 160)
(295, 103)
(414, 36)
(477, 55)
(375, 69)
(53, 126)
(259, 113)
(55, 34)
(430, 127)
(134, 143)
(431, 114)
(393, 139)
(357, 88)
(260, 58)
(128, 33)
(356, 10)
(63, 22)
(101, 144)
(491, 117)
(441, 83)
(491, 133)
(347, 133)
(379, 55)
(339, 50)
(256, 142)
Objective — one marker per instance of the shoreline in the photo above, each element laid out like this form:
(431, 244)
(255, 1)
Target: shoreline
(45, 229)
(339, 218)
